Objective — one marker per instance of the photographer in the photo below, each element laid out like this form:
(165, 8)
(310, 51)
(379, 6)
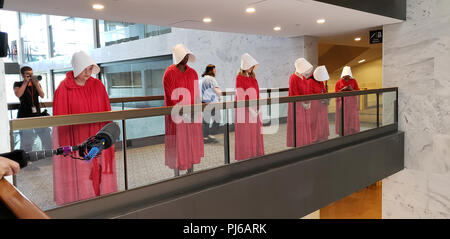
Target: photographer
(28, 91)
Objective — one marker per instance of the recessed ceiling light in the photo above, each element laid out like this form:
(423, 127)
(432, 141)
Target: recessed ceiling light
(98, 6)
(250, 10)
(321, 21)
(207, 20)
(277, 28)
(362, 61)
(358, 39)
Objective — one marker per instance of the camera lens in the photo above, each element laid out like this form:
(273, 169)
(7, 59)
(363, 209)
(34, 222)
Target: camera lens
(38, 77)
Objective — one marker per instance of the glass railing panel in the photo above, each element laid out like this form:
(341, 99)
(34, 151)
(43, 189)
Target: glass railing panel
(275, 127)
(214, 131)
(146, 151)
(367, 111)
(54, 181)
(387, 108)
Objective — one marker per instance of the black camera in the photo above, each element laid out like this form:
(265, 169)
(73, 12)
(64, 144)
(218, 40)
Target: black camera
(37, 77)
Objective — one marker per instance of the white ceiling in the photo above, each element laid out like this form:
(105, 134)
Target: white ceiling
(296, 17)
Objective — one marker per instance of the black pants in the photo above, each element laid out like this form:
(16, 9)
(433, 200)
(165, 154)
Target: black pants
(207, 130)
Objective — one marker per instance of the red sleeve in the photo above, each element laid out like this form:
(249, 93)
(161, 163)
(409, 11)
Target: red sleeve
(293, 90)
(60, 102)
(338, 86)
(168, 88)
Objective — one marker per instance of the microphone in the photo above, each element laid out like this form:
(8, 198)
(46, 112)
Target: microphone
(104, 139)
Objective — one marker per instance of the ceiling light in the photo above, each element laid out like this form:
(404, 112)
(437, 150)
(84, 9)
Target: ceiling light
(321, 21)
(358, 39)
(207, 20)
(362, 61)
(250, 10)
(98, 6)
(277, 28)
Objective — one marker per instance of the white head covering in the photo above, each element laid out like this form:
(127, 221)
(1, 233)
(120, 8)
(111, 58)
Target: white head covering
(302, 66)
(179, 52)
(347, 71)
(247, 62)
(321, 74)
(80, 61)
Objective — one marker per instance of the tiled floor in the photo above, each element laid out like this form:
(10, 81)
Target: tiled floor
(145, 166)
(364, 204)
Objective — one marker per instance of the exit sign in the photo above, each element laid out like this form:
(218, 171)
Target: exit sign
(376, 37)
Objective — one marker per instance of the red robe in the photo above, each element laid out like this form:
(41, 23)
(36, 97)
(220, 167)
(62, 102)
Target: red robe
(183, 138)
(351, 113)
(75, 179)
(298, 86)
(320, 127)
(249, 140)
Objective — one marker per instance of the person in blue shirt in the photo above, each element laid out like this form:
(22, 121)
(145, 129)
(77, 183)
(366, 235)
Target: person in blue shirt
(210, 93)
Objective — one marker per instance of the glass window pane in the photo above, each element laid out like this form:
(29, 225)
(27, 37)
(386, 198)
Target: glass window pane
(59, 76)
(69, 35)
(12, 28)
(136, 78)
(34, 36)
(117, 32)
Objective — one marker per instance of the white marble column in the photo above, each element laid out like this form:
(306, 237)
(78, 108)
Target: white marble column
(416, 58)
(4, 122)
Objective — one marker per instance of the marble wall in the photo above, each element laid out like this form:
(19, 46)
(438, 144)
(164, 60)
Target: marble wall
(416, 58)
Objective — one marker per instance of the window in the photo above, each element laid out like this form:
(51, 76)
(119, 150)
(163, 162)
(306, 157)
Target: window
(59, 76)
(34, 36)
(135, 78)
(117, 32)
(12, 28)
(69, 35)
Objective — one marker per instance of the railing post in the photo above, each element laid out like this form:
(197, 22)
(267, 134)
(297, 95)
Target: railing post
(378, 110)
(341, 125)
(396, 107)
(124, 148)
(226, 137)
(295, 124)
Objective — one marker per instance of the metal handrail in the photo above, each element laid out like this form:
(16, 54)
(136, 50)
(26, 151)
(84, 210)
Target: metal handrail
(47, 104)
(60, 120)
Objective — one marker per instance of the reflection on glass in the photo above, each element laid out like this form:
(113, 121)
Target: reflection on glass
(69, 35)
(117, 32)
(33, 36)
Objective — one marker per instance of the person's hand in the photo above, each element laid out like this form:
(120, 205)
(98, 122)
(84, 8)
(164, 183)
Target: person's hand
(349, 87)
(35, 81)
(8, 167)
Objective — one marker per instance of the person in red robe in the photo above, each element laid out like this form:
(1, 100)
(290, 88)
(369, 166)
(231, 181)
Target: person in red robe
(249, 140)
(319, 125)
(351, 113)
(184, 145)
(298, 85)
(80, 93)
